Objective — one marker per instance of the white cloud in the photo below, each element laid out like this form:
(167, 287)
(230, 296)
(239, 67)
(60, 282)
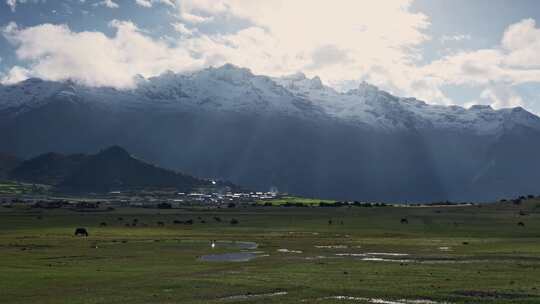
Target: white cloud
(12, 4)
(107, 3)
(466, 68)
(145, 3)
(150, 3)
(190, 10)
(182, 29)
(54, 52)
(288, 36)
(337, 41)
(522, 42)
(14, 75)
(343, 42)
(501, 96)
(496, 70)
(449, 38)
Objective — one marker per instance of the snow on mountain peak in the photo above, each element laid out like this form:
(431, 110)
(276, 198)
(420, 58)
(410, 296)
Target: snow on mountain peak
(298, 76)
(230, 73)
(364, 86)
(300, 84)
(367, 104)
(237, 89)
(479, 107)
(29, 93)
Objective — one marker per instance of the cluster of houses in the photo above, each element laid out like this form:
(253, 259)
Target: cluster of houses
(174, 200)
(226, 197)
(196, 198)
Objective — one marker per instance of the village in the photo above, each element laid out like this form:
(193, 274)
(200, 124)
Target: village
(146, 199)
(201, 199)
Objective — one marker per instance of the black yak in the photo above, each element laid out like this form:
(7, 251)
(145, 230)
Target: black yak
(81, 232)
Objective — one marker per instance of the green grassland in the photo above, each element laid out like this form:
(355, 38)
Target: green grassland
(18, 188)
(294, 200)
(459, 254)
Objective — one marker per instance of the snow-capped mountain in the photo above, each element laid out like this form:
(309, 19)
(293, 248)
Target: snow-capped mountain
(292, 132)
(230, 88)
(28, 94)
(237, 89)
(367, 104)
(227, 88)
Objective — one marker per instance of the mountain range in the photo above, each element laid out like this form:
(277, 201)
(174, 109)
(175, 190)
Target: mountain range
(291, 132)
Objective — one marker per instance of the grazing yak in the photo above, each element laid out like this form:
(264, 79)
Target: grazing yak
(404, 221)
(81, 232)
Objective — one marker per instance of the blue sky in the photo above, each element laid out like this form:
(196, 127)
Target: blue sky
(445, 52)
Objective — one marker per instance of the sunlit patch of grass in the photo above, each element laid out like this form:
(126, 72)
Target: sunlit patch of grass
(295, 200)
(18, 188)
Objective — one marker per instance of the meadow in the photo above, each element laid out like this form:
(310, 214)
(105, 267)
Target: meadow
(451, 254)
(294, 200)
(18, 188)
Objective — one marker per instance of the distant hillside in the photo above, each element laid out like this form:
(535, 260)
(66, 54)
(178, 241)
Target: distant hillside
(7, 163)
(48, 168)
(111, 169)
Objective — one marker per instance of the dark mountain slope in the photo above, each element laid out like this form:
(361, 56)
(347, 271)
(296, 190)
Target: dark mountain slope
(512, 159)
(111, 169)
(320, 158)
(7, 163)
(49, 168)
(114, 169)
